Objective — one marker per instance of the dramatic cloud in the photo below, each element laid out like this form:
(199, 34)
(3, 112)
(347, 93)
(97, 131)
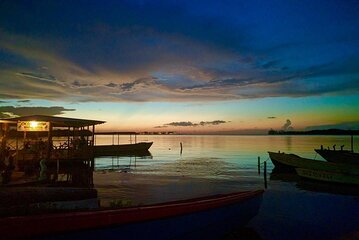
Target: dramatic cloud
(10, 111)
(191, 124)
(287, 126)
(182, 124)
(216, 122)
(176, 51)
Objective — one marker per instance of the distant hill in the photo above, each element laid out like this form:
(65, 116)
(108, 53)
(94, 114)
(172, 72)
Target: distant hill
(315, 132)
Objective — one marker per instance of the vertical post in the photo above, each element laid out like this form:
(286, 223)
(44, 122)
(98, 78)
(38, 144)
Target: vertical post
(113, 137)
(17, 149)
(135, 138)
(23, 145)
(259, 165)
(351, 143)
(131, 138)
(118, 139)
(92, 155)
(24, 140)
(87, 135)
(57, 168)
(49, 142)
(265, 174)
(68, 142)
(181, 148)
(93, 135)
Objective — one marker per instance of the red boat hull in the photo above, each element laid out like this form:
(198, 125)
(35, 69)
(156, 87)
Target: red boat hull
(168, 220)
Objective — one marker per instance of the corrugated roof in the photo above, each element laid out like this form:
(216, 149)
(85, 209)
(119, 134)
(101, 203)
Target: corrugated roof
(56, 121)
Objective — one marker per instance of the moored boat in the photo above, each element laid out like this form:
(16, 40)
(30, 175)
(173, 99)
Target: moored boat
(104, 150)
(328, 176)
(339, 156)
(181, 219)
(292, 161)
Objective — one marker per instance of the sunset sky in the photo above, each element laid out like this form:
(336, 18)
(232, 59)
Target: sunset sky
(184, 66)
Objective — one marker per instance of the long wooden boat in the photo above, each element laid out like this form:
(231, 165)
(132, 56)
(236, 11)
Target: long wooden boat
(109, 150)
(339, 156)
(327, 176)
(292, 161)
(186, 219)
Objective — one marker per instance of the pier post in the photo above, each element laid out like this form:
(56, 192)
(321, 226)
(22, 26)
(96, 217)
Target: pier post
(181, 148)
(259, 165)
(265, 174)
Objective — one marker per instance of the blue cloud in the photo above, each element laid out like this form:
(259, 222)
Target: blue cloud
(180, 51)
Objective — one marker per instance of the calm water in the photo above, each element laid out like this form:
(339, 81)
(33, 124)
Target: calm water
(292, 208)
(214, 156)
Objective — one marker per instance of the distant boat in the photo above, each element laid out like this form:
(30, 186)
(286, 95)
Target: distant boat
(292, 161)
(327, 176)
(189, 219)
(109, 150)
(339, 156)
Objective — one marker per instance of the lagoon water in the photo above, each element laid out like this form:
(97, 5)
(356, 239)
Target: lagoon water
(292, 208)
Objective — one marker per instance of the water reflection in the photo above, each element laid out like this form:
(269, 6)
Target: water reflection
(316, 186)
(289, 142)
(124, 162)
(312, 185)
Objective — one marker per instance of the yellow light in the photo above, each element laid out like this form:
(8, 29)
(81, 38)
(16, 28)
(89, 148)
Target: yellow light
(33, 124)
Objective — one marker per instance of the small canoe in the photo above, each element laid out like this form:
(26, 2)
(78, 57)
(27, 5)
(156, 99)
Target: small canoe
(292, 161)
(328, 176)
(188, 219)
(339, 156)
(112, 150)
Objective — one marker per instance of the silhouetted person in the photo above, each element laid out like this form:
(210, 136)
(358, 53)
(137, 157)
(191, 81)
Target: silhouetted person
(43, 168)
(82, 142)
(8, 167)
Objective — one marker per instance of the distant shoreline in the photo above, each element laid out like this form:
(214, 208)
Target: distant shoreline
(315, 132)
(62, 133)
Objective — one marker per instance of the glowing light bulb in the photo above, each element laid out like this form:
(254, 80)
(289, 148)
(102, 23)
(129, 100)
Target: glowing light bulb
(33, 124)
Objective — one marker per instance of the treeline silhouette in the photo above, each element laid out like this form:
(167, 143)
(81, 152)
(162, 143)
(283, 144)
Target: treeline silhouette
(315, 132)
